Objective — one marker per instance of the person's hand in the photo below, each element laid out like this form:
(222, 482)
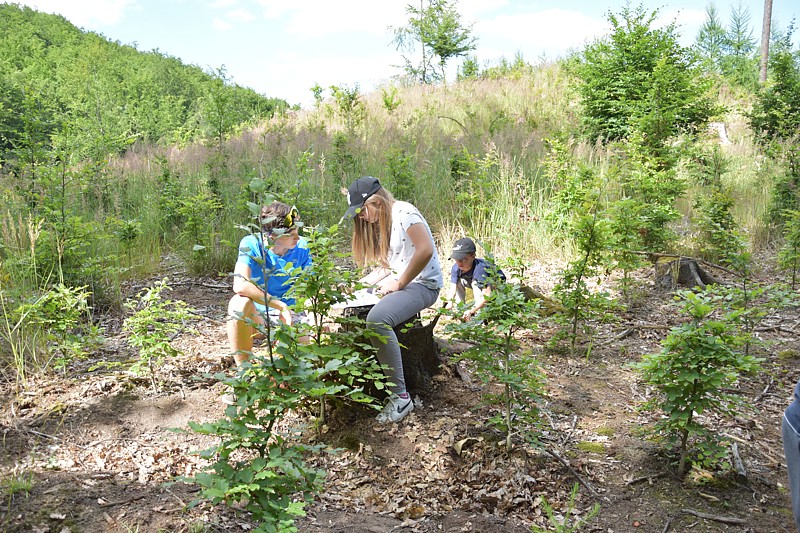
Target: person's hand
(468, 314)
(389, 286)
(286, 316)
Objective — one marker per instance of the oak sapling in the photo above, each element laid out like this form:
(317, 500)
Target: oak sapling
(699, 364)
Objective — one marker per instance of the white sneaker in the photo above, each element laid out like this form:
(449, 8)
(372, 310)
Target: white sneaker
(228, 399)
(396, 409)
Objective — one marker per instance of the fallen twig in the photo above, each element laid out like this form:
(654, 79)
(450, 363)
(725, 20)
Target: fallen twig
(123, 502)
(574, 473)
(617, 337)
(724, 519)
(649, 477)
(764, 392)
(667, 526)
(571, 430)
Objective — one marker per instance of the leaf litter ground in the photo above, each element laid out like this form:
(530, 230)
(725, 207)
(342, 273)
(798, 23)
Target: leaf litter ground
(101, 453)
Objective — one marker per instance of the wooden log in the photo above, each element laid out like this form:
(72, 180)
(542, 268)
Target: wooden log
(417, 346)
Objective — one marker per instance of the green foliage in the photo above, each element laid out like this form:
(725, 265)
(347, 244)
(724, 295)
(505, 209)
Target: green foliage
(698, 364)
(253, 463)
(390, 99)
(776, 111)
(789, 254)
(571, 184)
(14, 484)
(400, 171)
(349, 106)
(580, 304)
(626, 221)
(152, 326)
(640, 78)
(576, 214)
(200, 230)
(739, 62)
(711, 40)
(60, 318)
(347, 354)
(469, 69)
(109, 93)
(498, 359)
(719, 238)
(653, 184)
(562, 524)
(342, 162)
(438, 32)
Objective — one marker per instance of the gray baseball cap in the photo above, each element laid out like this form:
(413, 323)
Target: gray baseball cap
(462, 247)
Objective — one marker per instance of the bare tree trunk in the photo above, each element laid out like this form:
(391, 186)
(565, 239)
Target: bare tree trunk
(765, 33)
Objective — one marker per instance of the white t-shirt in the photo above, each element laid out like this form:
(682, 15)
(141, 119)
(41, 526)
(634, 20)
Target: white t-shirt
(401, 249)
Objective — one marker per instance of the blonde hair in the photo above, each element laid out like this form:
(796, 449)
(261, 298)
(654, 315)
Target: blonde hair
(371, 240)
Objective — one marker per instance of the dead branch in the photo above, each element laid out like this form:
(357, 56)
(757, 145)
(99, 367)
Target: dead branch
(738, 465)
(764, 392)
(617, 337)
(571, 430)
(561, 460)
(724, 519)
(123, 502)
(667, 526)
(648, 478)
(466, 132)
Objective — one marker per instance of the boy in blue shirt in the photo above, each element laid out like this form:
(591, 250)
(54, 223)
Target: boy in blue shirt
(471, 272)
(280, 225)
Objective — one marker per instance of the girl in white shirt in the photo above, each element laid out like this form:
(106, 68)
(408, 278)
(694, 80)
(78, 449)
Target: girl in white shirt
(394, 239)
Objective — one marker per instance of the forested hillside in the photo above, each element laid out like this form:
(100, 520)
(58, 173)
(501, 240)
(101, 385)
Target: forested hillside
(99, 96)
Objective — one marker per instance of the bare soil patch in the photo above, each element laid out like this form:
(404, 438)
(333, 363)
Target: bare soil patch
(102, 455)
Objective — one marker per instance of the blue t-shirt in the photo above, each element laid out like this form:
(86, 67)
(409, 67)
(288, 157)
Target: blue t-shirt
(478, 273)
(277, 267)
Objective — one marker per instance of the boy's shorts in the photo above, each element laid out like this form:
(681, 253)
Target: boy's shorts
(274, 315)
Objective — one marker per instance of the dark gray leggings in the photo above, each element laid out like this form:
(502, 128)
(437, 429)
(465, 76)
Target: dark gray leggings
(393, 310)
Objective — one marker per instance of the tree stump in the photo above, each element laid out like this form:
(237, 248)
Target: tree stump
(417, 346)
(674, 272)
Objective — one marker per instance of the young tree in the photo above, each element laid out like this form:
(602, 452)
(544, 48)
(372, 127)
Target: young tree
(641, 78)
(437, 31)
(740, 62)
(710, 39)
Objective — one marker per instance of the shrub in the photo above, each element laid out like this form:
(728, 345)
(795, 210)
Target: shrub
(641, 78)
(698, 364)
(498, 360)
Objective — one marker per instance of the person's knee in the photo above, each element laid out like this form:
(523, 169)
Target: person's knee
(377, 325)
(240, 305)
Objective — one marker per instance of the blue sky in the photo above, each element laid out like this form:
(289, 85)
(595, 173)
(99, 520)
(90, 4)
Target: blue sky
(282, 48)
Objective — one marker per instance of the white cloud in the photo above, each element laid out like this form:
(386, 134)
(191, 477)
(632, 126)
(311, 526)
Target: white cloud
(222, 4)
(83, 13)
(551, 32)
(321, 18)
(221, 25)
(239, 15)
